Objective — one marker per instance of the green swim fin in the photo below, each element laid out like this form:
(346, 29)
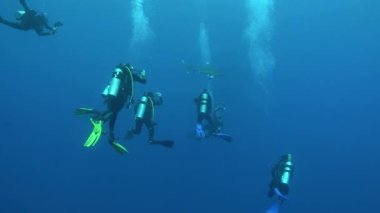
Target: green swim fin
(84, 111)
(96, 133)
(119, 148)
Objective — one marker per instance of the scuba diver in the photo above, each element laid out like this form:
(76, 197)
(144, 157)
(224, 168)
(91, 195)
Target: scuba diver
(217, 117)
(282, 172)
(204, 110)
(116, 94)
(144, 114)
(214, 118)
(28, 19)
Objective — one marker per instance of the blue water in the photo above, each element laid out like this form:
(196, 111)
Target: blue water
(319, 101)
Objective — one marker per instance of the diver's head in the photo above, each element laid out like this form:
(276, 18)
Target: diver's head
(125, 67)
(19, 14)
(286, 157)
(129, 66)
(156, 97)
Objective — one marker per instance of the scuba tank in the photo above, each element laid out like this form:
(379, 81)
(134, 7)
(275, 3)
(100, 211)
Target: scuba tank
(112, 89)
(203, 103)
(19, 14)
(285, 178)
(142, 107)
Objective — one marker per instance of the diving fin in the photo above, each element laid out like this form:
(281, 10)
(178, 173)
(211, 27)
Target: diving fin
(280, 195)
(275, 208)
(167, 143)
(96, 133)
(223, 136)
(119, 148)
(84, 111)
(164, 143)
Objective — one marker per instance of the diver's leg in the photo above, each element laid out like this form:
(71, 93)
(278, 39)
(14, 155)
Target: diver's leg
(150, 125)
(199, 118)
(105, 116)
(15, 25)
(135, 131)
(138, 126)
(113, 108)
(112, 126)
(271, 188)
(210, 122)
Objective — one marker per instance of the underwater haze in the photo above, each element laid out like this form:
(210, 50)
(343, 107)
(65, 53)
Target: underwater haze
(299, 77)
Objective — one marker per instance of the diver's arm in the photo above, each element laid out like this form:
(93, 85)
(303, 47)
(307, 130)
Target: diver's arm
(24, 5)
(43, 33)
(47, 26)
(49, 30)
(141, 78)
(275, 171)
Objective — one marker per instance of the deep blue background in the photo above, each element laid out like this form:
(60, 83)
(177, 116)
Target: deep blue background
(322, 107)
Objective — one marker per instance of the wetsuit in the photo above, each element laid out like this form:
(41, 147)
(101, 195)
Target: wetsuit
(144, 114)
(31, 20)
(277, 172)
(218, 118)
(115, 104)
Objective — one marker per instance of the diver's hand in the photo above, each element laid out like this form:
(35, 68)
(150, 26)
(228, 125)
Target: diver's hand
(58, 24)
(54, 31)
(130, 103)
(143, 74)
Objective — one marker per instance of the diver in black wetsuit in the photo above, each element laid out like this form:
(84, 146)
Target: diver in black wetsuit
(218, 117)
(204, 110)
(31, 20)
(126, 75)
(282, 172)
(144, 115)
(118, 93)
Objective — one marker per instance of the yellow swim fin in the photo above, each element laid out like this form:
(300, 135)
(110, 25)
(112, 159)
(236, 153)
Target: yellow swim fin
(96, 133)
(119, 148)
